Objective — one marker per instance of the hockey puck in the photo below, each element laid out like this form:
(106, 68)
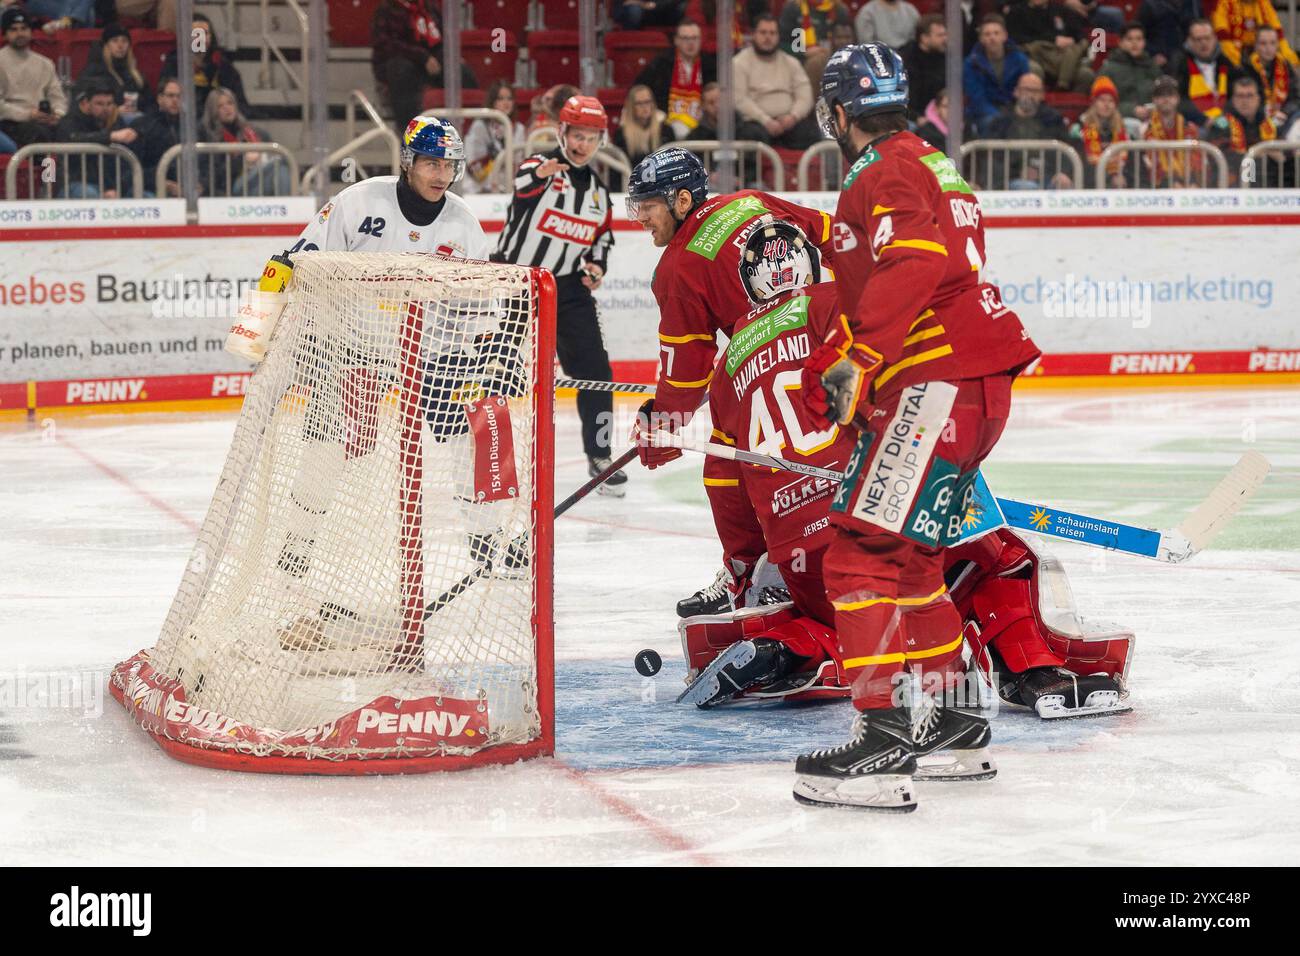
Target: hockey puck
(648, 662)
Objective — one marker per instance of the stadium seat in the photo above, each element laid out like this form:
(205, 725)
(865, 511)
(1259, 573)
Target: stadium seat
(630, 50)
(151, 49)
(478, 50)
(612, 98)
(555, 56)
(1069, 105)
(560, 15)
(512, 15)
(350, 22)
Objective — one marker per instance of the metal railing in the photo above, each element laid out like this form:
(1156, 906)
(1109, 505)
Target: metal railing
(706, 148)
(1140, 159)
(826, 149)
(221, 156)
(379, 130)
(1257, 164)
(272, 49)
(1036, 160)
(57, 183)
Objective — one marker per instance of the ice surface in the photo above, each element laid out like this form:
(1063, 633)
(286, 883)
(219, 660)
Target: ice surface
(98, 515)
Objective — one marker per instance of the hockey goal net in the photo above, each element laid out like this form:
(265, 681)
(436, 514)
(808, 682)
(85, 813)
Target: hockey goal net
(371, 588)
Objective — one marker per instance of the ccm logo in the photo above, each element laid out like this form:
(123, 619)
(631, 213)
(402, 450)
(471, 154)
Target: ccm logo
(567, 228)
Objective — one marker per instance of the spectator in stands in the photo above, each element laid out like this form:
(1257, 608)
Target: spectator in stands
(31, 97)
(1277, 78)
(1166, 23)
(1202, 72)
(1101, 125)
(94, 120)
(926, 60)
(677, 77)
(807, 32)
(1166, 124)
(842, 35)
(406, 55)
(934, 122)
(892, 22)
(159, 130)
(1027, 118)
(1240, 125)
(1236, 23)
(62, 14)
(1054, 38)
(161, 13)
(1108, 18)
(213, 66)
(639, 14)
(487, 168)
(991, 72)
(113, 62)
(1133, 72)
(772, 91)
(546, 115)
(239, 174)
(643, 126)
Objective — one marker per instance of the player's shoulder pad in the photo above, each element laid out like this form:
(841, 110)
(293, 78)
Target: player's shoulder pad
(458, 207)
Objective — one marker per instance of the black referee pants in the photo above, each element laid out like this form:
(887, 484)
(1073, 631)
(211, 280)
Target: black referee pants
(582, 354)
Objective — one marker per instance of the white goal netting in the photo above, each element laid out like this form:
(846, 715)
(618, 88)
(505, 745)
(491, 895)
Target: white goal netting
(371, 581)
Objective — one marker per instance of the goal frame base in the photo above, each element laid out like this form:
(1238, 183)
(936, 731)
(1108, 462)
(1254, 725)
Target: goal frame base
(542, 746)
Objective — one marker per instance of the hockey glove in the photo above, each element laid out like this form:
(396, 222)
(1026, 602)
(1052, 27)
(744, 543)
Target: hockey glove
(649, 421)
(836, 386)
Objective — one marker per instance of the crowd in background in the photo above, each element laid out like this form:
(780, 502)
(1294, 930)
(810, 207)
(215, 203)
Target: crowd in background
(1070, 71)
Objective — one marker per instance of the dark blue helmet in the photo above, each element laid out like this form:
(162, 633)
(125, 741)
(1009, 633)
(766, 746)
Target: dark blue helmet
(663, 174)
(865, 79)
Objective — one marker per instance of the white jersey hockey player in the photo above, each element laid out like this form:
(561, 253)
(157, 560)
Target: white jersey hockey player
(410, 213)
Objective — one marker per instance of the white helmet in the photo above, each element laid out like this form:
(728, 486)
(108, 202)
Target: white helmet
(777, 257)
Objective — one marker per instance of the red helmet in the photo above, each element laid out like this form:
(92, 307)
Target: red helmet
(584, 111)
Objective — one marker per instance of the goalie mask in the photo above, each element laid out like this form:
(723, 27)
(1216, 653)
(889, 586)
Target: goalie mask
(777, 258)
(430, 136)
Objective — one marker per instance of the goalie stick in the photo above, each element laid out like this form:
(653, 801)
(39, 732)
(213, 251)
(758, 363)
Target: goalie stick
(1172, 545)
(587, 385)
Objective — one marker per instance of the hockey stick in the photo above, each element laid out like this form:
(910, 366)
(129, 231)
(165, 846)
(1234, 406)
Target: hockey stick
(586, 385)
(457, 589)
(1174, 545)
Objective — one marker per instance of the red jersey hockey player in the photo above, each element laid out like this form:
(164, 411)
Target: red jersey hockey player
(697, 288)
(1020, 619)
(695, 283)
(922, 365)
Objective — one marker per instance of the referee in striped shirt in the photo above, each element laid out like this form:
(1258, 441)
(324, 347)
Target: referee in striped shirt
(560, 220)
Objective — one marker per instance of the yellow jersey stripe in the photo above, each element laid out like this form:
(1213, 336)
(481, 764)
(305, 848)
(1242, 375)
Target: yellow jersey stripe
(911, 360)
(678, 339)
(924, 334)
(721, 482)
(826, 226)
(899, 658)
(901, 602)
(920, 318)
(881, 210)
(723, 437)
(700, 384)
(925, 244)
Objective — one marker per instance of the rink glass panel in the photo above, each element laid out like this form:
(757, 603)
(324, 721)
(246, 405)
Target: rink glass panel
(338, 613)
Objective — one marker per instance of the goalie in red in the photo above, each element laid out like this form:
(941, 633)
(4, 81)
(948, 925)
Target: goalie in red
(1019, 619)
